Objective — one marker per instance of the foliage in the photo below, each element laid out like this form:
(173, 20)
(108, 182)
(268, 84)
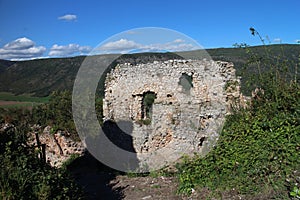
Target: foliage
(68, 162)
(24, 176)
(258, 148)
(15, 116)
(26, 105)
(99, 109)
(247, 59)
(231, 84)
(144, 121)
(57, 113)
(148, 101)
(295, 193)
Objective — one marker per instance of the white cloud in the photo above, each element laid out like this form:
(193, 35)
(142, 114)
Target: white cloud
(176, 45)
(68, 17)
(120, 45)
(20, 43)
(68, 50)
(178, 41)
(277, 40)
(21, 48)
(297, 41)
(126, 46)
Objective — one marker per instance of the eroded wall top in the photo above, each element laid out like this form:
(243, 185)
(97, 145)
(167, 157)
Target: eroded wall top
(175, 105)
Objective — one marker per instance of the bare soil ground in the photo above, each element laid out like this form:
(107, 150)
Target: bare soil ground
(6, 103)
(160, 188)
(165, 188)
(102, 183)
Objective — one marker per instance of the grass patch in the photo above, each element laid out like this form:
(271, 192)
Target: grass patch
(6, 96)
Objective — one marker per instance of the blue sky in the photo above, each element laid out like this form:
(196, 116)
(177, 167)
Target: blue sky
(53, 28)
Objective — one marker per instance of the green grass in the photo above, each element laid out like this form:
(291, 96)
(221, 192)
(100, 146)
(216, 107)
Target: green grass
(6, 96)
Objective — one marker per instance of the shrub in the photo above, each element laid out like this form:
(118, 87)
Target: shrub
(24, 176)
(258, 148)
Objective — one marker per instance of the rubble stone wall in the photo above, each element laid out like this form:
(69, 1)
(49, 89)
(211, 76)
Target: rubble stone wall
(59, 147)
(192, 99)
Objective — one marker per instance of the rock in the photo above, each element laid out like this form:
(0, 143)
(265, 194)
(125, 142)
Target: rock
(59, 148)
(147, 197)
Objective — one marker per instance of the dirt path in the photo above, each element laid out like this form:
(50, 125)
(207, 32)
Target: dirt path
(163, 188)
(102, 183)
(5, 103)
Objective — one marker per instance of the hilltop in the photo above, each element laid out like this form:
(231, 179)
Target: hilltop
(42, 76)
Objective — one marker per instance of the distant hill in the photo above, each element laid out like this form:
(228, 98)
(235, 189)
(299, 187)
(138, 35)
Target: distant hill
(239, 56)
(40, 77)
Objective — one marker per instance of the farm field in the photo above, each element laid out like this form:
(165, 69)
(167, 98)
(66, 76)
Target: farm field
(9, 100)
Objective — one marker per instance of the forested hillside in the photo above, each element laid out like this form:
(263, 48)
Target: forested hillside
(41, 77)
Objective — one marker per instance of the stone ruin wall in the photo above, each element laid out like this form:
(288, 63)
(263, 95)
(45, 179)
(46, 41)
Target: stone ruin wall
(59, 147)
(184, 120)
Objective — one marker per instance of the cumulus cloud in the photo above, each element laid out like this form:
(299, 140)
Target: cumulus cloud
(297, 41)
(68, 17)
(21, 48)
(127, 46)
(120, 45)
(178, 41)
(176, 45)
(68, 50)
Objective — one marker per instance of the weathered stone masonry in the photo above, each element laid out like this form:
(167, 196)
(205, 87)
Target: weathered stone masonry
(192, 98)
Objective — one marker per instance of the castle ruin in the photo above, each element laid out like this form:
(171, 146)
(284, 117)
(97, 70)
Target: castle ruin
(176, 104)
